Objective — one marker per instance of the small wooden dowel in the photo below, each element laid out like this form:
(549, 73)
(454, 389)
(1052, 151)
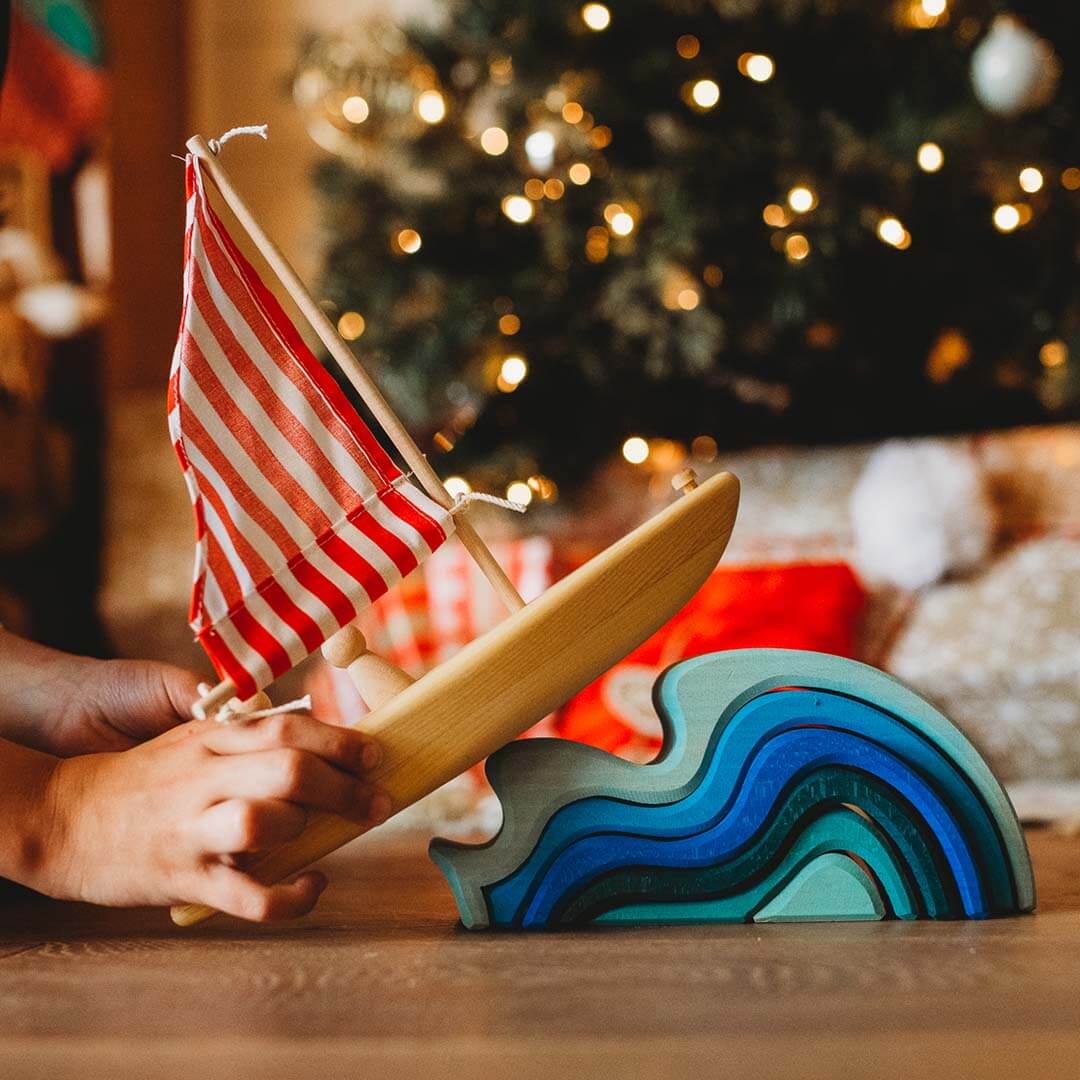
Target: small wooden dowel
(361, 381)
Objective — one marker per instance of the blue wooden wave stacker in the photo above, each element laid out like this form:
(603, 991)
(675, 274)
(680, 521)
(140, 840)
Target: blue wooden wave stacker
(791, 786)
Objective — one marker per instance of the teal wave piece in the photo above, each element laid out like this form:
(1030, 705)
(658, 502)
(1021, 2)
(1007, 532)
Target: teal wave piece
(760, 746)
(834, 832)
(831, 888)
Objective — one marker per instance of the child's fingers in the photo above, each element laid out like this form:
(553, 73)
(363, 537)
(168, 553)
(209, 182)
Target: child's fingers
(247, 825)
(347, 749)
(298, 777)
(235, 893)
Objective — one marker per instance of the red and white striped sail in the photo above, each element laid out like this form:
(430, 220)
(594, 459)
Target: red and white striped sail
(301, 517)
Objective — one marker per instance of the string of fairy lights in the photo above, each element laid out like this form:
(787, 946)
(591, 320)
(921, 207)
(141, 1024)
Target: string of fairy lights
(788, 219)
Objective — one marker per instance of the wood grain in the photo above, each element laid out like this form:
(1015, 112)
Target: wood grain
(381, 981)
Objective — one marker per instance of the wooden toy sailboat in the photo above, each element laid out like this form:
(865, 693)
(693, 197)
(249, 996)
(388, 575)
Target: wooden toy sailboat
(302, 520)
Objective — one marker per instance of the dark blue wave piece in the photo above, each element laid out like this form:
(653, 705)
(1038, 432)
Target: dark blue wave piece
(821, 790)
(592, 875)
(833, 831)
(717, 826)
(727, 778)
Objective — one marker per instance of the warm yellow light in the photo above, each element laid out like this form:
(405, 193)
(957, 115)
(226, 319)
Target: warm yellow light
(796, 247)
(706, 93)
(934, 8)
(534, 188)
(760, 67)
(509, 324)
(494, 141)
(595, 251)
(948, 354)
(704, 448)
(688, 299)
(572, 112)
(457, 486)
(513, 370)
(622, 224)
(600, 136)
(891, 231)
(930, 157)
(1053, 354)
(1031, 179)
(688, 46)
(1006, 217)
(540, 148)
(554, 188)
(351, 325)
(580, 173)
(355, 109)
(431, 106)
(546, 488)
(409, 241)
(801, 199)
(1070, 179)
(713, 275)
(519, 492)
(596, 16)
(776, 216)
(518, 209)
(635, 450)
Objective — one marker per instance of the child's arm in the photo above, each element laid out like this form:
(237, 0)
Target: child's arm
(162, 823)
(66, 705)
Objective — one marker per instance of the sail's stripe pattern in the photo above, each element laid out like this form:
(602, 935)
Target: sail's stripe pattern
(301, 517)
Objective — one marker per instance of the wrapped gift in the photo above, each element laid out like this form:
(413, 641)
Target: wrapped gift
(814, 606)
(1000, 655)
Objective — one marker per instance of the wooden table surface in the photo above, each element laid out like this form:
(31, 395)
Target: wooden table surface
(381, 981)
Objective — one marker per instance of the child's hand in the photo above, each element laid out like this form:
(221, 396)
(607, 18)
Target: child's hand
(161, 823)
(68, 705)
(120, 703)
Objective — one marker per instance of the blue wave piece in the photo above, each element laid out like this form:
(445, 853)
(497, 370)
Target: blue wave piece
(748, 770)
(749, 731)
(780, 761)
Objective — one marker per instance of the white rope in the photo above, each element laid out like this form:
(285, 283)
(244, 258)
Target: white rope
(301, 704)
(227, 714)
(248, 129)
(462, 501)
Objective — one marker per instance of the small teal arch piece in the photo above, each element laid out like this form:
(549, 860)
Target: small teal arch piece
(831, 888)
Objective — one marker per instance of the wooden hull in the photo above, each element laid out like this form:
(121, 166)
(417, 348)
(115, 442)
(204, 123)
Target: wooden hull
(506, 681)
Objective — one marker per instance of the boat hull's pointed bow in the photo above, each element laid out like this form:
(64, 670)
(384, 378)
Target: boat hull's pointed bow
(504, 682)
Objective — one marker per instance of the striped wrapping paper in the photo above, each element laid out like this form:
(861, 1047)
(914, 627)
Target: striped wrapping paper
(302, 519)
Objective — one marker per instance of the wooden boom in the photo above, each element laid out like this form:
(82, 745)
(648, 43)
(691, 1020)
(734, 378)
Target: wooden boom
(504, 682)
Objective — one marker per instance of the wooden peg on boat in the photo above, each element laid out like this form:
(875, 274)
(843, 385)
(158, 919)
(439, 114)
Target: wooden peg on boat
(684, 481)
(255, 703)
(375, 678)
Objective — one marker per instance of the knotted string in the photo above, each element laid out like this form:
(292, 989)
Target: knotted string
(229, 714)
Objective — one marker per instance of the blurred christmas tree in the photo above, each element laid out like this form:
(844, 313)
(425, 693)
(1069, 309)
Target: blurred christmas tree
(553, 227)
